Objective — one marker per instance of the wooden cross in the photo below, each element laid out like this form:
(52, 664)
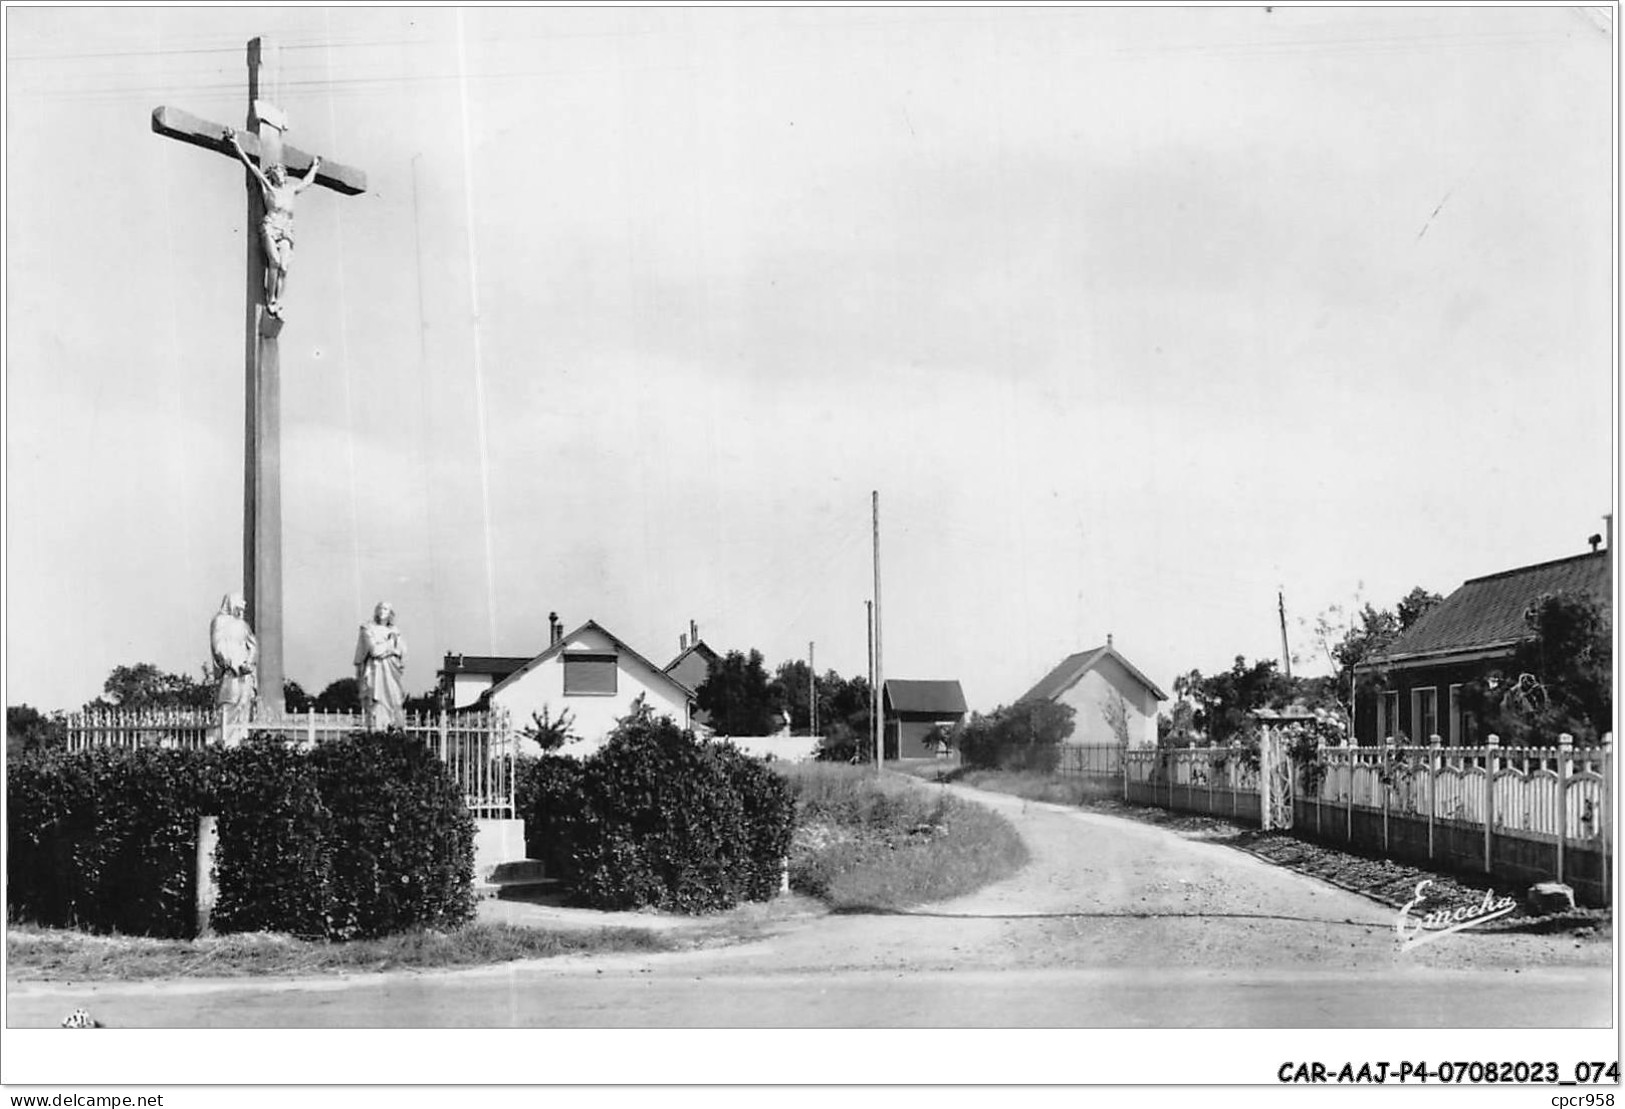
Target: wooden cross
(261, 141)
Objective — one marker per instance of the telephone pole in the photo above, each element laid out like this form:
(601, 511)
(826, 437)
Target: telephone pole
(812, 692)
(869, 626)
(879, 677)
(1286, 655)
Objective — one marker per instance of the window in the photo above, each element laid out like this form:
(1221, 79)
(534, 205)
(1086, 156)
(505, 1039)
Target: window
(1457, 737)
(590, 675)
(1424, 714)
(1387, 715)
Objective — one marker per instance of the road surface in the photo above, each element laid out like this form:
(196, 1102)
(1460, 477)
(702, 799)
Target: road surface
(1112, 924)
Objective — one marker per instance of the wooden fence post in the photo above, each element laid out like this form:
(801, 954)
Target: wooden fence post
(1492, 765)
(1433, 788)
(1605, 819)
(1565, 767)
(1386, 781)
(208, 839)
(1348, 802)
(1232, 767)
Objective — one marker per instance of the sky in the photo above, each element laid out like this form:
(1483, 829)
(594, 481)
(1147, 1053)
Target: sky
(1132, 316)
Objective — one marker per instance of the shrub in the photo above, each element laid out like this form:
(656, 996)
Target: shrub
(1023, 736)
(399, 840)
(655, 818)
(358, 837)
(547, 793)
(274, 834)
(105, 839)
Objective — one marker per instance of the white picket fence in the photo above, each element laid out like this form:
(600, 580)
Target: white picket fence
(477, 748)
(1531, 785)
(1518, 812)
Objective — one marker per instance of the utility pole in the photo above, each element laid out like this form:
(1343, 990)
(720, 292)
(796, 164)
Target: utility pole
(812, 692)
(879, 678)
(1286, 655)
(869, 626)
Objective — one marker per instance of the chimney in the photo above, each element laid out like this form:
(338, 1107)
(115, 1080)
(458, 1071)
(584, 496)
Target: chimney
(1595, 541)
(693, 632)
(555, 630)
(1108, 639)
(682, 643)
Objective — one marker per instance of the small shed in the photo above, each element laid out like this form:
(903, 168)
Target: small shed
(912, 709)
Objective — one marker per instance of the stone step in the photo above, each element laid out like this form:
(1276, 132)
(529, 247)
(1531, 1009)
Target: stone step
(518, 870)
(516, 877)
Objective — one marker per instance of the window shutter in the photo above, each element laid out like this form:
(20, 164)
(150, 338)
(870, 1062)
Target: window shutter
(589, 674)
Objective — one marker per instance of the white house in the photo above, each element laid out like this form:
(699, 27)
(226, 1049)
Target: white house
(597, 678)
(1091, 681)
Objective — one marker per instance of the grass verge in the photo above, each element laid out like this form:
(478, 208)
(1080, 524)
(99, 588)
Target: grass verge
(52, 953)
(867, 843)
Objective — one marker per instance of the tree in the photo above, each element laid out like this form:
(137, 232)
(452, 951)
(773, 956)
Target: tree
(1024, 736)
(552, 732)
(343, 695)
(739, 696)
(1559, 680)
(144, 687)
(28, 729)
(1177, 726)
(1115, 713)
(790, 688)
(424, 704)
(1222, 705)
(1413, 606)
(844, 715)
(294, 697)
(1347, 637)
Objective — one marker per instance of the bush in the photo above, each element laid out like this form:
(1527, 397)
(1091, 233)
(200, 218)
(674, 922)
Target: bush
(400, 840)
(358, 837)
(655, 818)
(1023, 736)
(547, 793)
(105, 839)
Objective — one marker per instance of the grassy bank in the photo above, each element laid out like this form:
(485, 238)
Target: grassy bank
(868, 843)
(80, 956)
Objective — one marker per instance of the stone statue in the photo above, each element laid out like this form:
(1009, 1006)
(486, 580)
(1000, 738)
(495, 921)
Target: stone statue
(236, 654)
(380, 662)
(276, 229)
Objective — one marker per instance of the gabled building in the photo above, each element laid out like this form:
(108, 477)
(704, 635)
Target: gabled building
(594, 676)
(912, 709)
(1412, 690)
(1090, 681)
(692, 666)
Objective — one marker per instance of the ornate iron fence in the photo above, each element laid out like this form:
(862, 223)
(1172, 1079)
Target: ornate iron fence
(477, 748)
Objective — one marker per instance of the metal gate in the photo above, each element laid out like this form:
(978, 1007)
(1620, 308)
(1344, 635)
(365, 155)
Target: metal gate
(1275, 779)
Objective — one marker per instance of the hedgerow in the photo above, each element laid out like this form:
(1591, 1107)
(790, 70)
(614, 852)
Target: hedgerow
(357, 837)
(657, 818)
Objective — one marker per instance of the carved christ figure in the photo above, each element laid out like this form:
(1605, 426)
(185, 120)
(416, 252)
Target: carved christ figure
(276, 229)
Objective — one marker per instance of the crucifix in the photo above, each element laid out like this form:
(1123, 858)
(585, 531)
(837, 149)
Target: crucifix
(271, 192)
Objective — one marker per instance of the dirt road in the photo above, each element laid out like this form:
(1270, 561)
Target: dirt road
(1113, 924)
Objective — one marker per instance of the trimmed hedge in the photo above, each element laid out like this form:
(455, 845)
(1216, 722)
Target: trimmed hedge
(657, 818)
(358, 837)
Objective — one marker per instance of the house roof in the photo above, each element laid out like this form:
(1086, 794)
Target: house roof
(496, 665)
(559, 647)
(1074, 667)
(905, 695)
(700, 648)
(1486, 614)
